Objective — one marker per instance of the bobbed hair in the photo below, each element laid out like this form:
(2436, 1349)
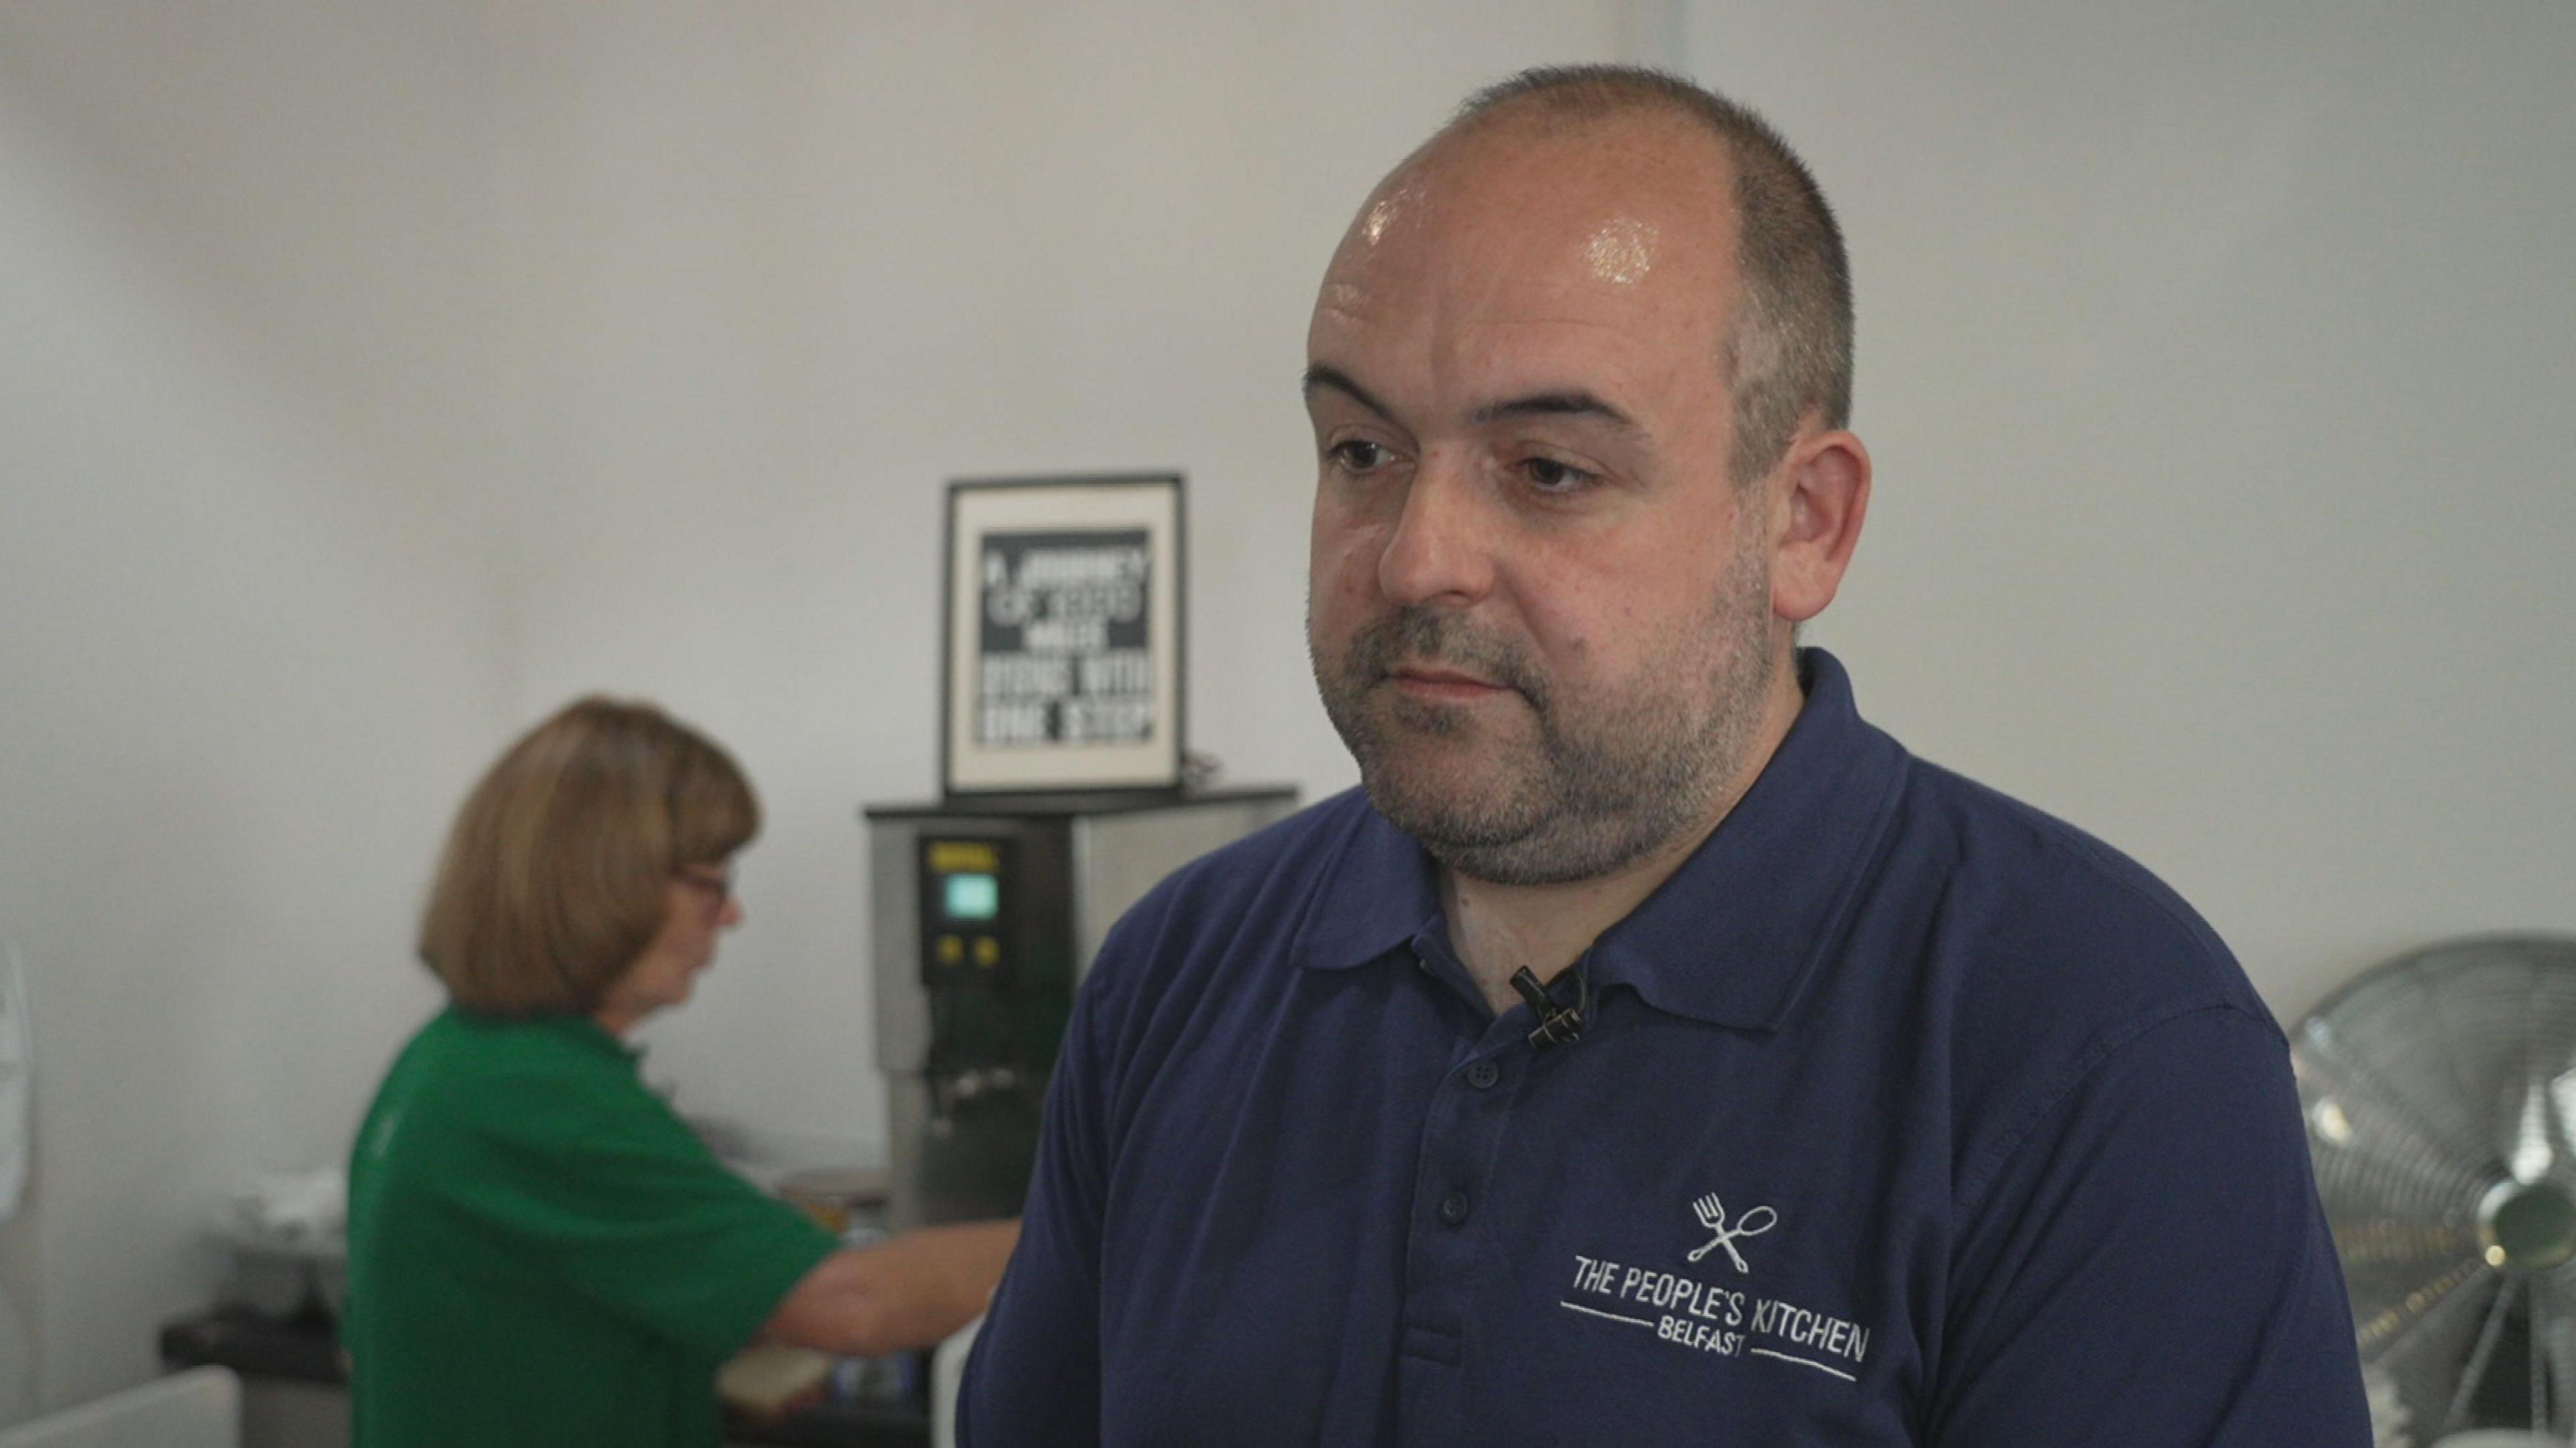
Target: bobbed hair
(556, 873)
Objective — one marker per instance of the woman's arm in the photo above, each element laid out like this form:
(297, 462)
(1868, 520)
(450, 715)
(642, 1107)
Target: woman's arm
(909, 1291)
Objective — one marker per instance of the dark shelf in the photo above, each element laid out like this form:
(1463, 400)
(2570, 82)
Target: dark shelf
(305, 1349)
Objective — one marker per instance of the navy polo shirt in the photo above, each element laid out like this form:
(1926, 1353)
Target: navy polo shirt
(1906, 1115)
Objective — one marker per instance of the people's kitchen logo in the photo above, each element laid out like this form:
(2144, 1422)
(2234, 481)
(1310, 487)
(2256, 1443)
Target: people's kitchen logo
(1712, 1215)
(1712, 1317)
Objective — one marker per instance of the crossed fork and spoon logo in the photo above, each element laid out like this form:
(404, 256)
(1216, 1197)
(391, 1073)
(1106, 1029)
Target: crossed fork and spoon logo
(1712, 1215)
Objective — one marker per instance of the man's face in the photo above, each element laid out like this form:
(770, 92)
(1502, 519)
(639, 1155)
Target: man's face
(1538, 609)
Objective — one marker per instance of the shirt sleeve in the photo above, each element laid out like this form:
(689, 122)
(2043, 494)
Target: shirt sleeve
(2149, 1265)
(600, 1184)
(1033, 1379)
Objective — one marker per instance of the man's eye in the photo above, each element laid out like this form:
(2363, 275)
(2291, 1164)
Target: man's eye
(1550, 476)
(1356, 456)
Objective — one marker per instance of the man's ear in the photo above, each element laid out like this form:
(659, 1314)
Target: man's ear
(1819, 494)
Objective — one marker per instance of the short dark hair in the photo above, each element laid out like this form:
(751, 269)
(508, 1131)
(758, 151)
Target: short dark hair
(1789, 346)
(555, 875)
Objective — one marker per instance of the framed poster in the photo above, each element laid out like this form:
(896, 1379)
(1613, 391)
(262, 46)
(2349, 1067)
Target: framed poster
(1063, 653)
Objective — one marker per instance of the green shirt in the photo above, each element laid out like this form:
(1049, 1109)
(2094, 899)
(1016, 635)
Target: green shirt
(541, 1252)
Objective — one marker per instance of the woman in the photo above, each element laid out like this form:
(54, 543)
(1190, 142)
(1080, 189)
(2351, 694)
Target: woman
(540, 1251)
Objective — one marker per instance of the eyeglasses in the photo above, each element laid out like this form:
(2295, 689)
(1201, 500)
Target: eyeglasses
(717, 883)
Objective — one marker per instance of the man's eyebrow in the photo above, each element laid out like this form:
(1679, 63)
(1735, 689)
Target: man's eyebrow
(1575, 403)
(1335, 378)
(1554, 404)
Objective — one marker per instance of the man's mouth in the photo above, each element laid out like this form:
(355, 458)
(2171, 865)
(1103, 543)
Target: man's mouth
(1433, 681)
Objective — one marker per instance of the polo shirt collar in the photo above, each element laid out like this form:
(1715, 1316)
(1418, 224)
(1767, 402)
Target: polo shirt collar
(1380, 893)
(600, 1038)
(581, 1029)
(1738, 929)
(1734, 934)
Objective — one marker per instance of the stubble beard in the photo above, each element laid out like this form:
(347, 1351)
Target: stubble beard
(1608, 778)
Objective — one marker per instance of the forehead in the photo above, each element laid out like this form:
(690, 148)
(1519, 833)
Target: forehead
(1495, 250)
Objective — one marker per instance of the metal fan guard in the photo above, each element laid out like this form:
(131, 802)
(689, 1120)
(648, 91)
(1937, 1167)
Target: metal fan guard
(2439, 1091)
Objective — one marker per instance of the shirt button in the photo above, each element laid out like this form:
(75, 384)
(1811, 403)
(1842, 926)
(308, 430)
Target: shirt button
(1483, 1074)
(1453, 1208)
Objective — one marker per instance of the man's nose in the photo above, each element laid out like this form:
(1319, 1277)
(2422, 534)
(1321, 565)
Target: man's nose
(1441, 549)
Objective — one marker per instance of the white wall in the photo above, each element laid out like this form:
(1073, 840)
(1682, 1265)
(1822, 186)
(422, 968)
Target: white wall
(2219, 363)
(782, 271)
(250, 626)
(373, 379)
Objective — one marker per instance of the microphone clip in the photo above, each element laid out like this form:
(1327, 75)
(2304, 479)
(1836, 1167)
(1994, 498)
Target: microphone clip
(1557, 1025)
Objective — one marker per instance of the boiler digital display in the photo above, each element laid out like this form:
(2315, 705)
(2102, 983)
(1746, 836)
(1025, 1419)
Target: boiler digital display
(972, 897)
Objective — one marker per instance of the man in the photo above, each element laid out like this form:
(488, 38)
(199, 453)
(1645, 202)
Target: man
(1837, 1100)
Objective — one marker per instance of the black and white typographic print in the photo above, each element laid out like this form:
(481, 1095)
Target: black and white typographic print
(1066, 656)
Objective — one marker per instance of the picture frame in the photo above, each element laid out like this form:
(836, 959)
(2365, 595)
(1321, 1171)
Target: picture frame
(1063, 634)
